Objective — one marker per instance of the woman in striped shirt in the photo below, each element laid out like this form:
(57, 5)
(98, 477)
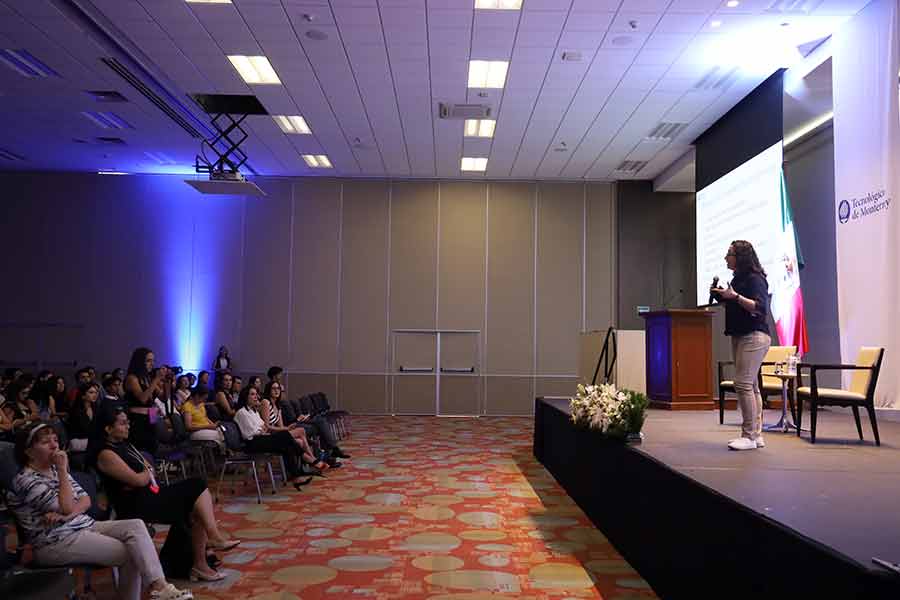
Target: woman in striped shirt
(50, 507)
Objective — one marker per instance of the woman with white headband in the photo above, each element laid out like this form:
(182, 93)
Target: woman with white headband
(50, 507)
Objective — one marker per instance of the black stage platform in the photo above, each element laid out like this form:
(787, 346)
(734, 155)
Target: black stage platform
(697, 520)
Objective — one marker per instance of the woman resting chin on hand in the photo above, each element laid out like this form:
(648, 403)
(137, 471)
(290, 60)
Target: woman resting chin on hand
(50, 507)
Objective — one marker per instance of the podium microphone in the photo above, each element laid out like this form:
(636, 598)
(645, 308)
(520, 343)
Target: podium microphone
(715, 282)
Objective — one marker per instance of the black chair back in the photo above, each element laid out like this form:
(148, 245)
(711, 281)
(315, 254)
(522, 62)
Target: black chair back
(232, 435)
(288, 414)
(179, 429)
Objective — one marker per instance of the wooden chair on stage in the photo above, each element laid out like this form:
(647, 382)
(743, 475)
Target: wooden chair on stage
(860, 394)
(768, 385)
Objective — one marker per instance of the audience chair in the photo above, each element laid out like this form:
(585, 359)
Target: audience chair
(860, 394)
(768, 384)
(338, 419)
(237, 454)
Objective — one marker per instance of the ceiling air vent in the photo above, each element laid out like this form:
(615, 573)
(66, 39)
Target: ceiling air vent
(464, 111)
(793, 7)
(152, 96)
(630, 166)
(10, 156)
(717, 78)
(572, 56)
(109, 141)
(666, 131)
(106, 95)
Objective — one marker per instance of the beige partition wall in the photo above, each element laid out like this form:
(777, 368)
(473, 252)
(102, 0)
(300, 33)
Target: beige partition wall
(363, 344)
(364, 283)
(509, 328)
(486, 285)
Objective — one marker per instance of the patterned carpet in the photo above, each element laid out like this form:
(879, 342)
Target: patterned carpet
(439, 509)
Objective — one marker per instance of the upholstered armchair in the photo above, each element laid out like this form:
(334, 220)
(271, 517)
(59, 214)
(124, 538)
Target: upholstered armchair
(860, 394)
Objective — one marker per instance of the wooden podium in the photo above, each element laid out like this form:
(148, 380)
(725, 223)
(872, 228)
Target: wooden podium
(679, 359)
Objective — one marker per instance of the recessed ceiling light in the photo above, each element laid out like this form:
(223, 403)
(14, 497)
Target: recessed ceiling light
(292, 123)
(473, 164)
(25, 64)
(732, 3)
(715, 24)
(483, 128)
(487, 73)
(254, 69)
(317, 161)
(499, 4)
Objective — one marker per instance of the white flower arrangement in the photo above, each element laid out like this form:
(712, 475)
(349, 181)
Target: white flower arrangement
(608, 410)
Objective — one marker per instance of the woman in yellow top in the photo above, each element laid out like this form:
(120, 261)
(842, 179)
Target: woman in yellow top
(202, 428)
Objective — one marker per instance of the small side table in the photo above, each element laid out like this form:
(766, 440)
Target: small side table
(785, 423)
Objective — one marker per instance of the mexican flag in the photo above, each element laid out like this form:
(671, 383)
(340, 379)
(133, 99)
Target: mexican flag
(787, 298)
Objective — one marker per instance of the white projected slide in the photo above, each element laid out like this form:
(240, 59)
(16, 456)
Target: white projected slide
(744, 204)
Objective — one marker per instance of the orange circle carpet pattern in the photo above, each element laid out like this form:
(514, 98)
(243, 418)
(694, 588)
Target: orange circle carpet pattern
(427, 508)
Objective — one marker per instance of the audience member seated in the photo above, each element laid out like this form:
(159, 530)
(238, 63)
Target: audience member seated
(271, 415)
(82, 375)
(224, 400)
(201, 427)
(81, 422)
(135, 493)
(258, 438)
(203, 379)
(6, 378)
(317, 426)
(140, 391)
(276, 374)
(237, 384)
(55, 397)
(50, 507)
(182, 390)
(19, 397)
(112, 392)
(9, 424)
(256, 383)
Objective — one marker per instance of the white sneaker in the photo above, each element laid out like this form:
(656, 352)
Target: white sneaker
(760, 442)
(742, 443)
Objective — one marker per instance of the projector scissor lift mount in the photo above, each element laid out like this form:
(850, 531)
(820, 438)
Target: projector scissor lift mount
(229, 136)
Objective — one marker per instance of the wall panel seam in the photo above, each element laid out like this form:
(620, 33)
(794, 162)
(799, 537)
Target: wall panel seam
(388, 358)
(484, 325)
(290, 307)
(340, 297)
(536, 198)
(584, 257)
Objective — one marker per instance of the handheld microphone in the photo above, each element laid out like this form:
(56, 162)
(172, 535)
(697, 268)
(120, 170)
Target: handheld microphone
(715, 282)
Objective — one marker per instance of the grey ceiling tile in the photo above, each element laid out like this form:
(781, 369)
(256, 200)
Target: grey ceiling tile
(597, 22)
(698, 6)
(595, 5)
(681, 23)
(450, 19)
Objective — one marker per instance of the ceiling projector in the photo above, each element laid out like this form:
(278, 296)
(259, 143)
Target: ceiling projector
(225, 183)
(228, 111)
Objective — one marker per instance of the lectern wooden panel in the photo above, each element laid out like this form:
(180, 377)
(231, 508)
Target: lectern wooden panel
(679, 359)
